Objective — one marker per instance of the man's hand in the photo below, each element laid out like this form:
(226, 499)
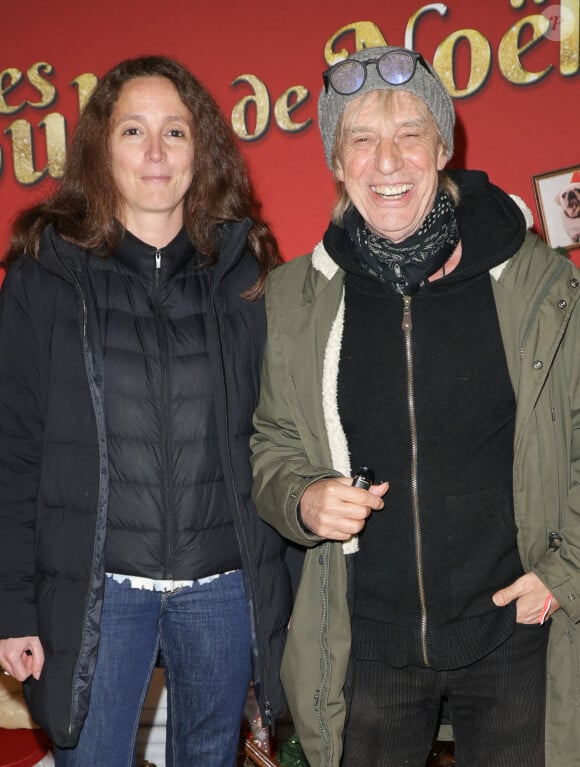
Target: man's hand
(22, 656)
(530, 595)
(334, 509)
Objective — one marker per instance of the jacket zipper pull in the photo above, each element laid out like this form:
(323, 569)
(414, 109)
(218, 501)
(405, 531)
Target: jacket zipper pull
(157, 267)
(407, 322)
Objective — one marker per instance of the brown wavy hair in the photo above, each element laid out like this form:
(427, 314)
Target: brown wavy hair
(85, 205)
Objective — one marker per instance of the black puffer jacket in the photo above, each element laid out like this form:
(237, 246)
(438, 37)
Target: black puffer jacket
(54, 471)
(168, 514)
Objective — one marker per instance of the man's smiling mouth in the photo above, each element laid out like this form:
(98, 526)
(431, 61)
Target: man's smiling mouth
(393, 192)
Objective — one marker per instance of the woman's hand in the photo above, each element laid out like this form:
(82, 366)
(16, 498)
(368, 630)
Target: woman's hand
(334, 509)
(21, 656)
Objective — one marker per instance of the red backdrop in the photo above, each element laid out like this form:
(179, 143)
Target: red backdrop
(513, 72)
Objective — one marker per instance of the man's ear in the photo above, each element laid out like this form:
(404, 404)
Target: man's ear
(441, 156)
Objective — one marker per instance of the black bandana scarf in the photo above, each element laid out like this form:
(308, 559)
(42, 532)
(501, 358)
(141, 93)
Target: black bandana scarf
(407, 264)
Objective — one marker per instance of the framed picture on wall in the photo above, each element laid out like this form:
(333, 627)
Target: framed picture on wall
(558, 198)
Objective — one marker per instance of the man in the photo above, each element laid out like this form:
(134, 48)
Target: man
(431, 337)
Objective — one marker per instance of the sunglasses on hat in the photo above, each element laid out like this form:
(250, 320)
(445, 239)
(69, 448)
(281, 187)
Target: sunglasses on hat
(395, 67)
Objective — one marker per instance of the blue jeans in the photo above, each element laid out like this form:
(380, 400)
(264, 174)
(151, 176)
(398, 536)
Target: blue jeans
(204, 637)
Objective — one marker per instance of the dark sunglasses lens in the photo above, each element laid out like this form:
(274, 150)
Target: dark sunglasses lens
(396, 67)
(347, 77)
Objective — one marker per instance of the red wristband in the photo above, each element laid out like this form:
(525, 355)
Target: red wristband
(545, 609)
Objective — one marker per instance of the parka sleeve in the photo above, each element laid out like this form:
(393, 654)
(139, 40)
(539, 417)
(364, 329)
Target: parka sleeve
(283, 466)
(20, 448)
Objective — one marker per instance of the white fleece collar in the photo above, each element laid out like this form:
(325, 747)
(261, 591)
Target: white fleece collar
(339, 452)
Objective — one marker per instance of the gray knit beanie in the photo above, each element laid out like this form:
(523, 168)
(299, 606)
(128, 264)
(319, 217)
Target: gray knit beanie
(428, 87)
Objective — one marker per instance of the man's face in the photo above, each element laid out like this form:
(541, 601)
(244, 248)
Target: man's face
(389, 162)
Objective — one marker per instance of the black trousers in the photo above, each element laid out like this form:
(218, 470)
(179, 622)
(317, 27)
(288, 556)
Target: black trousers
(496, 705)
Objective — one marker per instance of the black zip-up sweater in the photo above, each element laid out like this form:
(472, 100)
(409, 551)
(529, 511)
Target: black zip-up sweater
(439, 425)
(54, 471)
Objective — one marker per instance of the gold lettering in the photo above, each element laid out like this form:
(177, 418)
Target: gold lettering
(480, 55)
(286, 104)
(14, 76)
(517, 4)
(366, 35)
(47, 90)
(259, 101)
(22, 153)
(510, 50)
(23, 149)
(86, 85)
(570, 37)
(440, 8)
(55, 128)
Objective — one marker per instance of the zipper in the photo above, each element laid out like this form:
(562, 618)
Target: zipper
(157, 269)
(266, 706)
(322, 692)
(166, 474)
(99, 420)
(407, 327)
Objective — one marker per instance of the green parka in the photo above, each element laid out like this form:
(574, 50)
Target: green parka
(295, 444)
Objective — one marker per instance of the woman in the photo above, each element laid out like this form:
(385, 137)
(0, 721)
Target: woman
(131, 333)
(429, 337)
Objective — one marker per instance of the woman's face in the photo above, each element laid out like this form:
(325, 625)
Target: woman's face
(389, 162)
(151, 150)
